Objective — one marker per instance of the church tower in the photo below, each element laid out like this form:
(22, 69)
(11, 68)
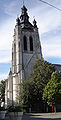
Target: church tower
(26, 48)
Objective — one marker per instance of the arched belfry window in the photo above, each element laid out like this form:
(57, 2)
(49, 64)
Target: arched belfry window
(14, 47)
(19, 46)
(25, 42)
(31, 43)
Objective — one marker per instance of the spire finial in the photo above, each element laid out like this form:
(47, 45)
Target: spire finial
(23, 2)
(34, 22)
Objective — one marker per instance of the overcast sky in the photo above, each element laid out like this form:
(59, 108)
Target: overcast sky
(49, 24)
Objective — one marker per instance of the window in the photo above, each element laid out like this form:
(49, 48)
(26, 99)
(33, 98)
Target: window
(15, 48)
(31, 43)
(19, 46)
(25, 43)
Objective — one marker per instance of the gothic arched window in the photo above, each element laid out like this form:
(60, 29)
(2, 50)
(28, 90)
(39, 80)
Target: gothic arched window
(31, 43)
(12, 56)
(19, 46)
(25, 42)
(14, 47)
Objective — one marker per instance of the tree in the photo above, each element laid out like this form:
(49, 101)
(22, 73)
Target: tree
(41, 73)
(52, 91)
(2, 91)
(33, 88)
(20, 95)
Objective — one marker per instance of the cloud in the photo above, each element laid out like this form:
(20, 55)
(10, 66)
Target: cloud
(51, 43)
(49, 24)
(6, 37)
(5, 59)
(11, 8)
(48, 21)
(6, 34)
(52, 37)
(48, 18)
(51, 50)
(3, 76)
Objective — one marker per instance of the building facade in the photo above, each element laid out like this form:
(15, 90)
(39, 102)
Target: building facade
(26, 48)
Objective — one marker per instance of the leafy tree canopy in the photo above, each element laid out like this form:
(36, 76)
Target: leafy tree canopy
(33, 88)
(41, 74)
(2, 90)
(52, 91)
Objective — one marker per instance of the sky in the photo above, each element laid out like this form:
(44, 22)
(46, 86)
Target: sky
(49, 26)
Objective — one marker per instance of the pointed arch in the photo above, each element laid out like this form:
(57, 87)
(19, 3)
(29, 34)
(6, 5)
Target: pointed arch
(19, 46)
(25, 42)
(31, 43)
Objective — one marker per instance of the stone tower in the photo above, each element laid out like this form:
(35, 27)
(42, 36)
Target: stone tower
(26, 48)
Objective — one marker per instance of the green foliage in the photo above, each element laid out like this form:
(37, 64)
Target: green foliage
(14, 109)
(33, 88)
(28, 91)
(52, 91)
(42, 71)
(2, 109)
(20, 95)
(2, 90)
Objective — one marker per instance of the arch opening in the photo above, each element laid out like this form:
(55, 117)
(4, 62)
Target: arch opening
(25, 42)
(31, 43)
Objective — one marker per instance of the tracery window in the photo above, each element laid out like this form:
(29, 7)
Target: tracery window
(25, 42)
(31, 43)
(19, 46)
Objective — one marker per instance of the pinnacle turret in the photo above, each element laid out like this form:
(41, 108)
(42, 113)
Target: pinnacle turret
(35, 23)
(24, 15)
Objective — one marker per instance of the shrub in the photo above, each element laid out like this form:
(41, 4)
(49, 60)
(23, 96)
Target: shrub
(14, 109)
